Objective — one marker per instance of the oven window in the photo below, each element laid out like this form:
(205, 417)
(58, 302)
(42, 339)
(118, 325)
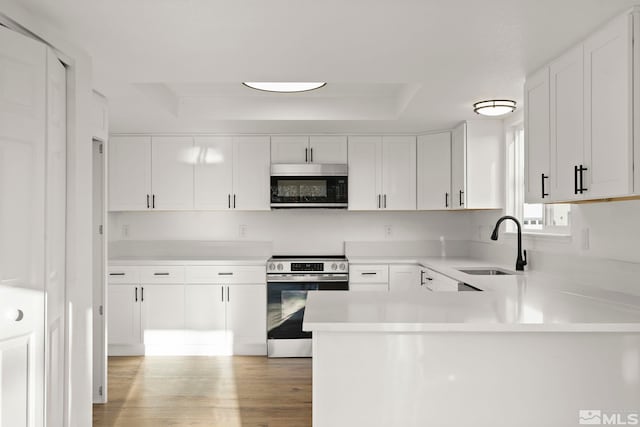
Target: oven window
(308, 189)
(302, 189)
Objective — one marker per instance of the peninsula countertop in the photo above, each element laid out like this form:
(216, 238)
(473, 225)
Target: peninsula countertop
(521, 302)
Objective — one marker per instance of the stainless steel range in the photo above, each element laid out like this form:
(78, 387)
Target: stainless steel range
(289, 279)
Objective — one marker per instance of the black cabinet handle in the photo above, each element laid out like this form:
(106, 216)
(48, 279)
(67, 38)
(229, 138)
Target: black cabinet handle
(306, 155)
(222, 294)
(379, 201)
(460, 197)
(234, 201)
(225, 274)
(373, 273)
(136, 294)
(229, 200)
(446, 200)
(153, 201)
(543, 178)
(116, 274)
(385, 201)
(582, 169)
(160, 274)
(228, 292)
(142, 294)
(575, 180)
(421, 277)
(147, 201)
(311, 154)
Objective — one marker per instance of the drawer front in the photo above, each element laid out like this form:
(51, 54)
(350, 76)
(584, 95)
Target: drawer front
(162, 274)
(378, 273)
(435, 281)
(382, 287)
(226, 274)
(123, 275)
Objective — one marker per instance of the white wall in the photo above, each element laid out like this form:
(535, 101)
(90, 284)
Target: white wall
(292, 231)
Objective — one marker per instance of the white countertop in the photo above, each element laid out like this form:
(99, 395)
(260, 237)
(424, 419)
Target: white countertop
(191, 260)
(529, 301)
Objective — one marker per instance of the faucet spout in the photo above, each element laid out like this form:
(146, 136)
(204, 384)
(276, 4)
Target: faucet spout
(522, 255)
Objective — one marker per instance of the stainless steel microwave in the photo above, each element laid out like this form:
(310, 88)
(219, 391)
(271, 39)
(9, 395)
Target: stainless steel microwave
(309, 186)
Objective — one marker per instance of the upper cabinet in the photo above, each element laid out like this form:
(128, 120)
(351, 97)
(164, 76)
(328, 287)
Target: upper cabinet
(100, 117)
(477, 151)
(434, 171)
(180, 173)
(590, 127)
(304, 149)
(382, 173)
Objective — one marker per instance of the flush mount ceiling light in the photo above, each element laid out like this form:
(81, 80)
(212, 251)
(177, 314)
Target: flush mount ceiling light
(494, 107)
(285, 87)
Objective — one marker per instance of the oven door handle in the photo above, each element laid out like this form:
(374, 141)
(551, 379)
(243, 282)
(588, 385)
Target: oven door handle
(316, 278)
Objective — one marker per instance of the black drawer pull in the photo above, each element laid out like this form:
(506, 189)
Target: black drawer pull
(373, 273)
(117, 274)
(161, 274)
(225, 274)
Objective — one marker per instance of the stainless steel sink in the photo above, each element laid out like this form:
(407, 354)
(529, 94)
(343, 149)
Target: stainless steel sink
(485, 271)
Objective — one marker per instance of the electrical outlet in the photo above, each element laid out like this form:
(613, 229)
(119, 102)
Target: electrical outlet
(125, 230)
(388, 231)
(242, 230)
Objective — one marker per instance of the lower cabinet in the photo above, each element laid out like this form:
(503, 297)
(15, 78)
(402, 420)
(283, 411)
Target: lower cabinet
(404, 277)
(373, 277)
(187, 319)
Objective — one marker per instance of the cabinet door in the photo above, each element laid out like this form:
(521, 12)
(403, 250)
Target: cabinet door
(290, 149)
(205, 307)
(484, 151)
(537, 135)
(458, 166)
(608, 99)
(399, 172)
(129, 173)
(162, 312)
(365, 173)
(172, 172)
(124, 314)
(434, 171)
(328, 149)
(404, 278)
(213, 178)
(247, 315)
(251, 174)
(567, 123)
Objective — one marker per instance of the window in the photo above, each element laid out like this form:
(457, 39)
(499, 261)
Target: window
(535, 218)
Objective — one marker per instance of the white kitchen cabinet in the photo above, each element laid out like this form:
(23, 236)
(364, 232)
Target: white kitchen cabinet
(365, 172)
(567, 124)
(129, 173)
(608, 92)
(477, 177)
(204, 307)
(172, 167)
(399, 173)
(369, 277)
(329, 149)
(304, 149)
(437, 282)
(124, 319)
(403, 278)
(232, 173)
(247, 317)
(434, 171)
(251, 173)
(382, 173)
(162, 307)
(213, 175)
(537, 137)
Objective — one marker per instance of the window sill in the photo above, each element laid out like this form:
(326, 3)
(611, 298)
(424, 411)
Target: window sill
(540, 236)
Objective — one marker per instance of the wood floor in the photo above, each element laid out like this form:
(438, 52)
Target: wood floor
(207, 391)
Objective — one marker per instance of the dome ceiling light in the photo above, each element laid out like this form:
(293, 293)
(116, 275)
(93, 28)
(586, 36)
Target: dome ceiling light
(494, 107)
(285, 87)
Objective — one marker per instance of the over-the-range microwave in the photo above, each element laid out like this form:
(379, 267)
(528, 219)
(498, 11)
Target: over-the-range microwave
(309, 186)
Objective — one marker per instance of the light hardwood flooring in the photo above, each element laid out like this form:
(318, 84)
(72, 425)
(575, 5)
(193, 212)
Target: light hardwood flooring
(216, 391)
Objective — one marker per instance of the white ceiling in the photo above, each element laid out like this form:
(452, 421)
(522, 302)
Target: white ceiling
(392, 65)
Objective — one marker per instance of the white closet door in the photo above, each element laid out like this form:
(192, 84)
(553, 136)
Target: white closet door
(22, 221)
(608, 98)
(172, 166)
(251, 175)
(56, 237)
(213, 172)
(434, 171)
(129, 173)
(365, 173)
(399, 172)
(567, 123)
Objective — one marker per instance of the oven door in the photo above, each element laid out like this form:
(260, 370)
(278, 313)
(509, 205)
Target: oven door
(309, 191)
(285, 306)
